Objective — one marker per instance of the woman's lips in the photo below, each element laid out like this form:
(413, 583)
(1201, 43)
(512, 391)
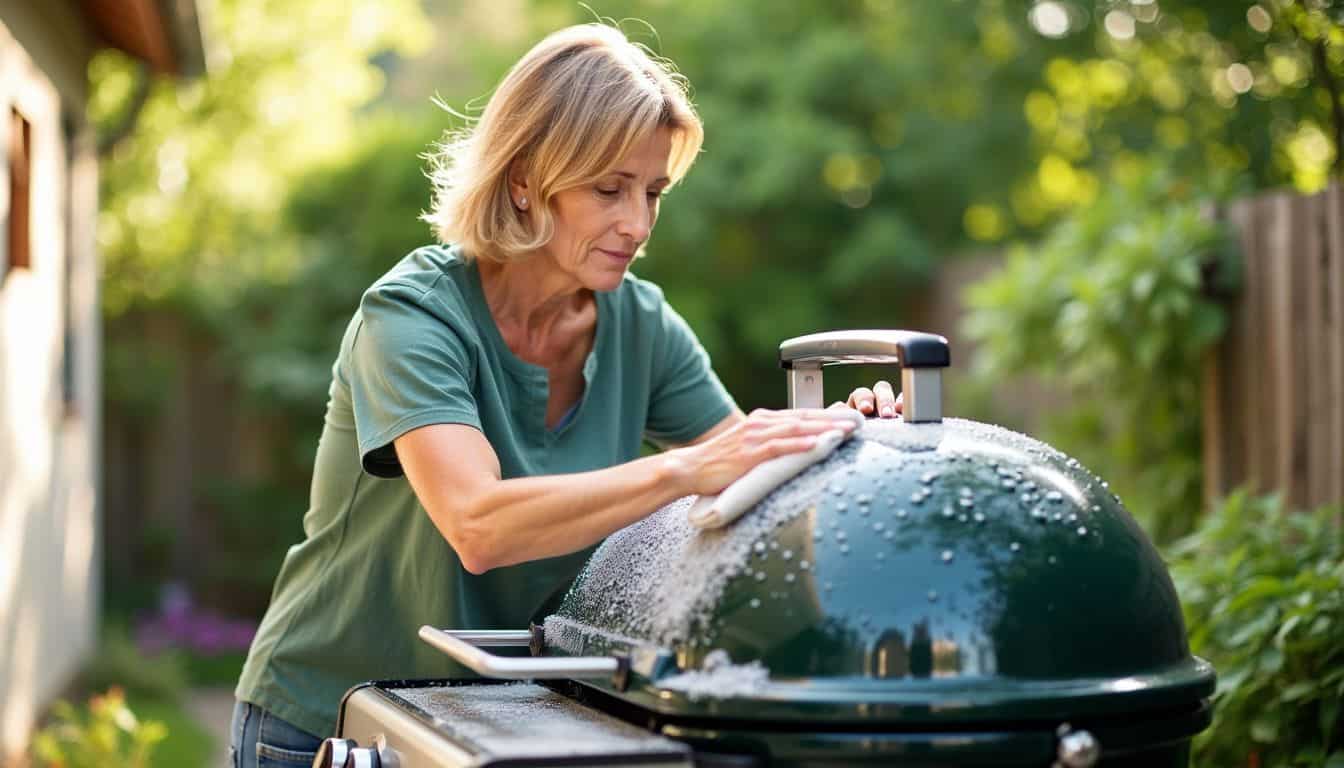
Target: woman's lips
(618, 255)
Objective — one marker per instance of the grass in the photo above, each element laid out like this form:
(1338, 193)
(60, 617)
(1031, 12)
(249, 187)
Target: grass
(214, 671)
(188, 743)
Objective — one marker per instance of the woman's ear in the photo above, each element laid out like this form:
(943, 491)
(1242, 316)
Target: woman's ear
(518, 186)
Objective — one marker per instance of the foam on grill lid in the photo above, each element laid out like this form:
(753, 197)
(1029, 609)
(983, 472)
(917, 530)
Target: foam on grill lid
(720, 678)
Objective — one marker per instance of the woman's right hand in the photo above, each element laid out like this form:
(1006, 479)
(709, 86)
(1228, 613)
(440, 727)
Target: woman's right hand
(713, 465)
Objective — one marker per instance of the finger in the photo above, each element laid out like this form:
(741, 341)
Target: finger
(837, 413)
(787, 445)
(785, 414)
(862, 400)
(900, 403)
(798, 428)
(886, 399)
(825, 418)
(807, 413)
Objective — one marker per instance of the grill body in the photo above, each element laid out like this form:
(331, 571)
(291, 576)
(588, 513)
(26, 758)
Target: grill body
(965, 590)
(468, 723)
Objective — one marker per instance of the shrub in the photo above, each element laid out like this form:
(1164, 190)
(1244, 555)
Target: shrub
(1263, 593)
(1112, 304)
(121, 664)
(104, 732)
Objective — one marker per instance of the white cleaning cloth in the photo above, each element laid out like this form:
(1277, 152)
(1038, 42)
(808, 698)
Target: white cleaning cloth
(726, 506)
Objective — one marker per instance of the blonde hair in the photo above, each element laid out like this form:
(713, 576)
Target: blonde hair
(568, 111)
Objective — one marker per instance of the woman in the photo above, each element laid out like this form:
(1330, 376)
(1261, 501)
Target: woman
(490, 398)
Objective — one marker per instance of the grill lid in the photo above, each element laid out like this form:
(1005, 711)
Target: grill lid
(937, 571)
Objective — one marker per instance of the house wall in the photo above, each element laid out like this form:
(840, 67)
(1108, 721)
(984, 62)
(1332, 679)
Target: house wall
(49, 333)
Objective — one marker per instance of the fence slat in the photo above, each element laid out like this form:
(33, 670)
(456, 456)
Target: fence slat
(1296, 336)
(1266, 311)
(1333, 421)
(1226, 385)
(1256, 336)
(1316, 347)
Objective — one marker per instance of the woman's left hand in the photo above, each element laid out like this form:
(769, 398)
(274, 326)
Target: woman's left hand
(879, 401)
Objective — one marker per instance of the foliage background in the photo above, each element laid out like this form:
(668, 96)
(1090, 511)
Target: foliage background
(1271, 619)
(854, 148)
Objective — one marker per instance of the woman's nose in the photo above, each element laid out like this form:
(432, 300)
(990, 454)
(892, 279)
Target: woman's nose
(636, 220)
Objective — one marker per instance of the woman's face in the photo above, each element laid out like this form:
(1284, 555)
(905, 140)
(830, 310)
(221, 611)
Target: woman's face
(599, 226)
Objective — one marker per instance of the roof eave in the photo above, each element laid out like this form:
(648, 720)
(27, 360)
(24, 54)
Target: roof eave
(182, 19)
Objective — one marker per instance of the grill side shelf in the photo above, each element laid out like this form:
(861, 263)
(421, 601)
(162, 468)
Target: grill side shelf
(511, 724)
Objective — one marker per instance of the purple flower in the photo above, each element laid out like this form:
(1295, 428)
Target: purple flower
(181, 624)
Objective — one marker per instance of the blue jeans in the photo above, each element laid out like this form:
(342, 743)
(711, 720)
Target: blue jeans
(259, 739)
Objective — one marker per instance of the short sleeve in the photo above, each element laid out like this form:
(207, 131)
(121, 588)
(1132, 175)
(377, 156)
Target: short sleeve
(686, 399)
(407, 368)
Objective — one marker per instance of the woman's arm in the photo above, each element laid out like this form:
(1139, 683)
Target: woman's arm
(492, 522)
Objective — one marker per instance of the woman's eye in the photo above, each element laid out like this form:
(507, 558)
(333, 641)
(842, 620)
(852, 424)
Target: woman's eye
(654, 194)
(608, 192)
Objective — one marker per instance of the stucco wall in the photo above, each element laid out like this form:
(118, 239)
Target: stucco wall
(49, 528)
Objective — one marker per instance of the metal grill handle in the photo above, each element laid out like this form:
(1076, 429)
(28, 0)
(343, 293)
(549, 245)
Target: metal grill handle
(922, 356)
(464, 646)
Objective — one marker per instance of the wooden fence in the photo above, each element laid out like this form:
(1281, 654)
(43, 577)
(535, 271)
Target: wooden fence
(1274, 388)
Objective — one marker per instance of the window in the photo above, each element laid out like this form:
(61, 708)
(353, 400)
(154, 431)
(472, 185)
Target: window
(20, 156)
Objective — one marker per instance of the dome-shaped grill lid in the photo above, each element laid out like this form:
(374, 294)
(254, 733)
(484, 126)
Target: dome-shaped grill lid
(947, 567)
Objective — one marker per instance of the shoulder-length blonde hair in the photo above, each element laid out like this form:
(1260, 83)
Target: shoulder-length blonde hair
(568, 111)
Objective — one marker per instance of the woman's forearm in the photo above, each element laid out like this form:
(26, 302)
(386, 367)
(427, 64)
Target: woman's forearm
(529, 518)
(492, 522)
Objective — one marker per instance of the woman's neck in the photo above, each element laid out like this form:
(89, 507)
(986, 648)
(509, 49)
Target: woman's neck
(530, 295)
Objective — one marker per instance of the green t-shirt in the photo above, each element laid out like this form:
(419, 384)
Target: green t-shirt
(424, 349)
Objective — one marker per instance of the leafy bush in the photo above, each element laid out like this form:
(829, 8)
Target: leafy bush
(120, 664)
(1263, 592)
(152, 686)
(1112, 303)
(105, 732)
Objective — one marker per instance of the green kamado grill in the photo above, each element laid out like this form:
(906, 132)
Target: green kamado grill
(936, 592)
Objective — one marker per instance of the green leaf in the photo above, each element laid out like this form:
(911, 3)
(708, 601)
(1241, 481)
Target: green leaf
(1254, 628)
(1286, 629)
(1265, 728)
(1321, 625)
(1297, 691)
(1270, 660)
(1256, 591)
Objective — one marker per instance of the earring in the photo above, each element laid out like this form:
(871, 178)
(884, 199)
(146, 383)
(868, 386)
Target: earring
(522, 202)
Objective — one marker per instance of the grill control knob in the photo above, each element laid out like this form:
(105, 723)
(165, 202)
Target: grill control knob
(1077, 749)
(333, 753)
(366, 757)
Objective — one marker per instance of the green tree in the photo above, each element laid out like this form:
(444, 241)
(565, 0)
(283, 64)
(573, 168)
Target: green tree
(1175, 103)
(192, 197)
(845, 142)
(195, 184)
